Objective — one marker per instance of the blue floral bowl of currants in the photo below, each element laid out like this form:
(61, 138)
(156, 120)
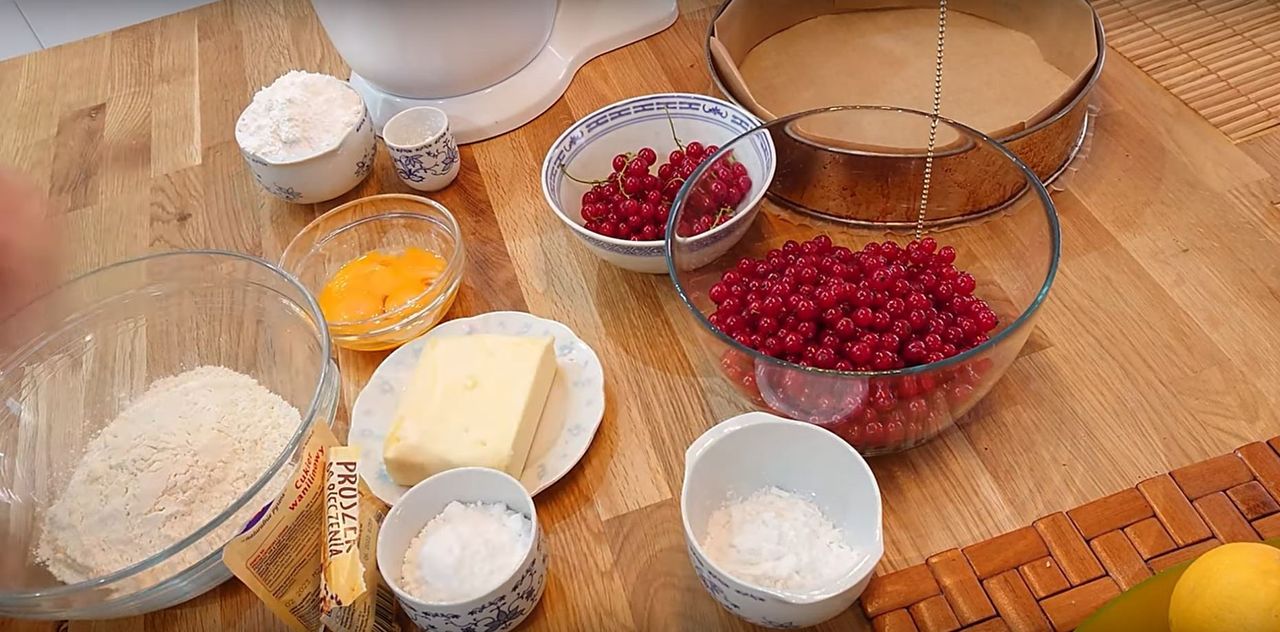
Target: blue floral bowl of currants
(613, 176)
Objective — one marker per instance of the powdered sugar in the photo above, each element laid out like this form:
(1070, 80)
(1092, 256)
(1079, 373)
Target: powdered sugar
(173, 459)
(779, 540)
(299, 115)
(466, 551)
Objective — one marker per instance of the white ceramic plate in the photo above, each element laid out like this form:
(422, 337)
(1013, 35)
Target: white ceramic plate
(569, 421)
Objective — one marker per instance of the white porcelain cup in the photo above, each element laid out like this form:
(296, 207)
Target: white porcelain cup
(498, 610)
(746, 453)
(423, 150)
(323, 176)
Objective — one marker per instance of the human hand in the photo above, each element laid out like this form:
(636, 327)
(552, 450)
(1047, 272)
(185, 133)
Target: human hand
(25, 243)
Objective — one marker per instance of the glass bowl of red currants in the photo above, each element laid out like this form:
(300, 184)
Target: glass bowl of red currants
(612, 176)
(840, 306)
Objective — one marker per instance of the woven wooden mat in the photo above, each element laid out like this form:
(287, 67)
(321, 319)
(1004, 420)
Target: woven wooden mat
(1221, 57)
(1054, 573)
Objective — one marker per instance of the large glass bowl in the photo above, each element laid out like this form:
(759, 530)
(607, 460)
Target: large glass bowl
(93, 345)
(1010, 247)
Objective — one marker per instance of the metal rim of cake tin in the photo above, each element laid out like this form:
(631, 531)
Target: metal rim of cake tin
(1081, 136)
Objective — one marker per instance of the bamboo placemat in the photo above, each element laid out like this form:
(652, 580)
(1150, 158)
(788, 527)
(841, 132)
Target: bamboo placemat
(1054, 573)
(1221, 57)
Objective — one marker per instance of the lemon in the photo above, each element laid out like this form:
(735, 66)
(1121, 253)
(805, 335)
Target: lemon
(1235, 587)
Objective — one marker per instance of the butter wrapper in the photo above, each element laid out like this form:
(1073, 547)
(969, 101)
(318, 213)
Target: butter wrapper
(343, 569)
(354, 599)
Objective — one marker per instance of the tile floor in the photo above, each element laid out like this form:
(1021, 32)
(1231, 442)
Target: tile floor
(29, 25)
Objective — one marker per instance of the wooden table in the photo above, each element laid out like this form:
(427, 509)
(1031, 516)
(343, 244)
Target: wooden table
(1159, 346)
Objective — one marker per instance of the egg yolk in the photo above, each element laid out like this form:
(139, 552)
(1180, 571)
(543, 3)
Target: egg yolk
(377, 282)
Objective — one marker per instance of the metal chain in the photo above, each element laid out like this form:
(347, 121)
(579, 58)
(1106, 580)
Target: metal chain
(933, 120)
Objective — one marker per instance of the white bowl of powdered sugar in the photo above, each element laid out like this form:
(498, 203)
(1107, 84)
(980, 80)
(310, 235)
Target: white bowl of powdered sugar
(781, 518)
(307, 137)
(462, 551)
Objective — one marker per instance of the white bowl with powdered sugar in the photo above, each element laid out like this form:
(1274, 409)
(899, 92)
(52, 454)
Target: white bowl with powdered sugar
(463, 551)
(307, 137)
(782, 519)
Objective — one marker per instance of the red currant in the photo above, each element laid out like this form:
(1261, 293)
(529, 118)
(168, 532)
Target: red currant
(817, 304)
(882, 360)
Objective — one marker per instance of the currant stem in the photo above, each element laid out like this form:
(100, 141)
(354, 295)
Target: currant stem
(579, 180)
(671, 122)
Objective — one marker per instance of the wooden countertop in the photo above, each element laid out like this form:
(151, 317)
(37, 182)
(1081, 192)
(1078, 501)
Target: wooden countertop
(1159, 345)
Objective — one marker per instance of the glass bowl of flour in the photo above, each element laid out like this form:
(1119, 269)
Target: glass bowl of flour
(149, 411)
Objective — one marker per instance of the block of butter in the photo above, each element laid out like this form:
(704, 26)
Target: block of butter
(473, 401)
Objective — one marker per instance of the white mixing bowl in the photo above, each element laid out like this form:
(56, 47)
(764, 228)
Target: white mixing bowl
(756, 450)
(436, 48)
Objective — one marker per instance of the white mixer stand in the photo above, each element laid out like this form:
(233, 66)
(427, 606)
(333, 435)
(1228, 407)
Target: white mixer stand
(583, 30)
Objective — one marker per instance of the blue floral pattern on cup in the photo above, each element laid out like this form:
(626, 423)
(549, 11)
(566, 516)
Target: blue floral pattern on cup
(500, 614)
(286, 193)
(428, 166)
(366, 162)
(732, 599)
(712, 582)
(429, 161)
(434, 160)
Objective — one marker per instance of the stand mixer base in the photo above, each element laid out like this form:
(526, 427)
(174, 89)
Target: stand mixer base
(582, 31)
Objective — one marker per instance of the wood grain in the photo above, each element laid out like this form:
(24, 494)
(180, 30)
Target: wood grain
(1156, 349)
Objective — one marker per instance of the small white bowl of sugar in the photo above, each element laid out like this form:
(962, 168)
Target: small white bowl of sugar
(462, 551)
(782, 519)
(307, 137)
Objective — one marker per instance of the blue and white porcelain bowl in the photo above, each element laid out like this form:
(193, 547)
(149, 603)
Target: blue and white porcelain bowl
(322, 176)
(587, 148)
(498, 610)
(741, 455)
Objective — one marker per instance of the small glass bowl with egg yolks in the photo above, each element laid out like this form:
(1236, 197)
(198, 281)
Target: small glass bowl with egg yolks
(384, 268)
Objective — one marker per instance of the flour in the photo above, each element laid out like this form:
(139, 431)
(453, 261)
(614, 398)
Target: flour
(299, 115)
(173, 459)
(779, 540)
(466, 551)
